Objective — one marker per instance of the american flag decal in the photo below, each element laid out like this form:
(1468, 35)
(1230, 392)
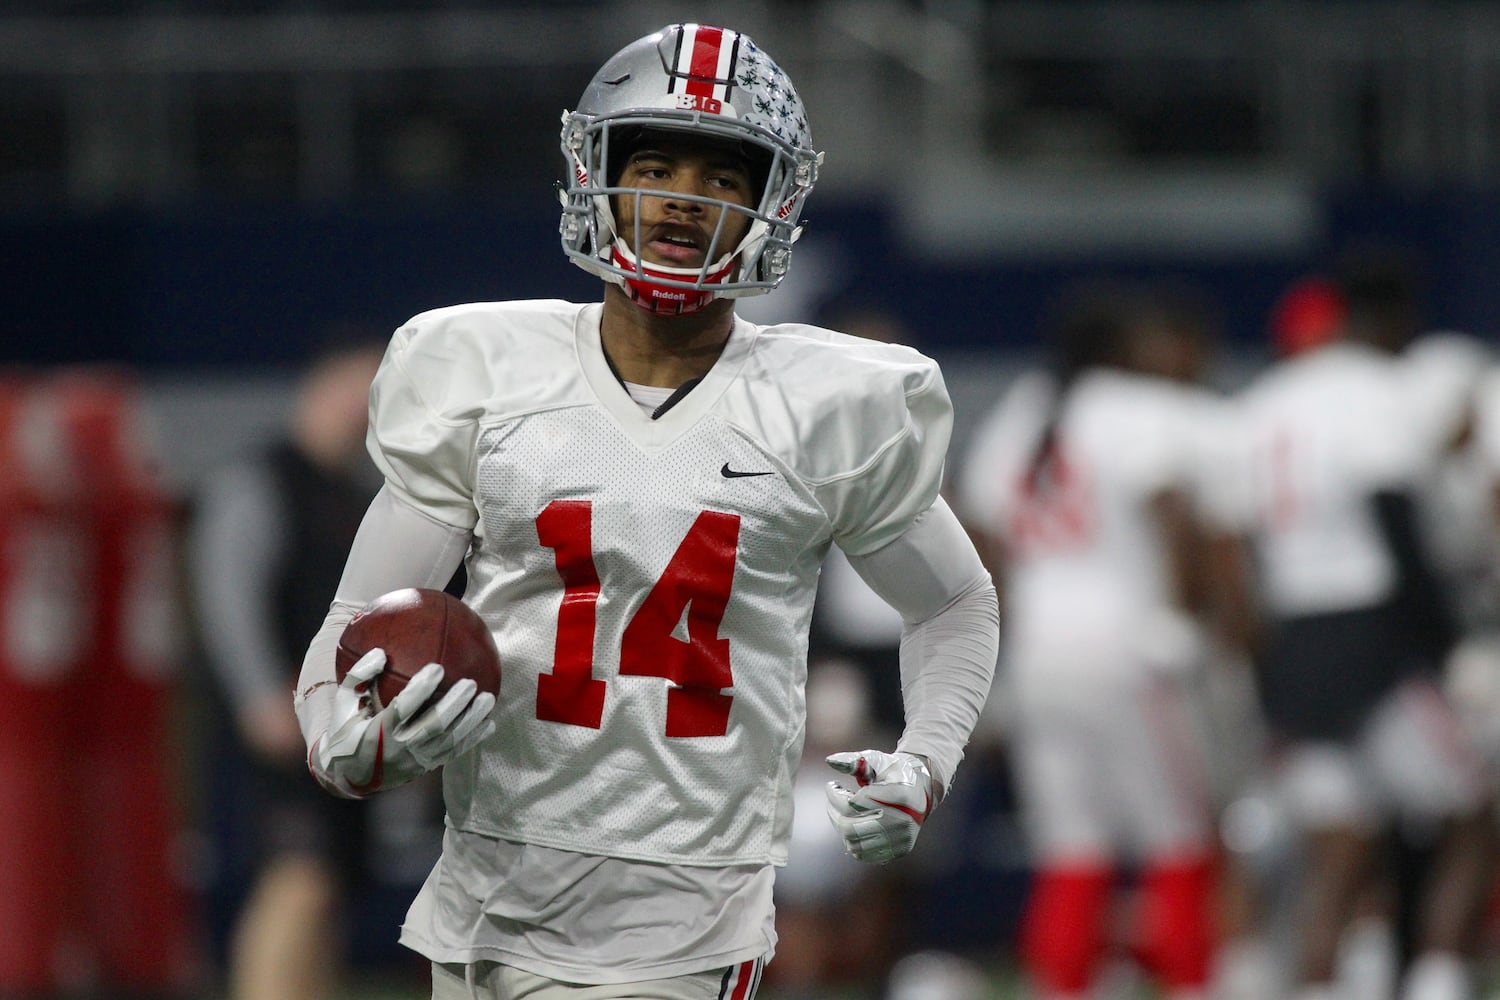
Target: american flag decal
(703, 63)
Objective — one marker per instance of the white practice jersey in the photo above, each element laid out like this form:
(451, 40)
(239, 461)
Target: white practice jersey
(1084, 565)
(1322, 434)
(1449, 376)
(649, 582)
(1487, 422)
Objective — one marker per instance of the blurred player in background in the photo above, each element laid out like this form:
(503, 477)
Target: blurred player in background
(1448, 375)
(1259, 863)
(1339, 446)
(1089, 487)
(1307, 315)
(643, 491)
(268, 541)
(1470, 494)
(1454, 375)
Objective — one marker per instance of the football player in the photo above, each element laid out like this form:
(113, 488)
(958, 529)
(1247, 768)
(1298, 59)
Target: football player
(1341, 442)
(1089, 487)
(642, 491)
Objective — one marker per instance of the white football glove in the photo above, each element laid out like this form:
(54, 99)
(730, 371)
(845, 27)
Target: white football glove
(364, 752)
(881, 820)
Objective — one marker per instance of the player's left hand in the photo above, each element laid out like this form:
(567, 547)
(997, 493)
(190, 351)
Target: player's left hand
(881, 819)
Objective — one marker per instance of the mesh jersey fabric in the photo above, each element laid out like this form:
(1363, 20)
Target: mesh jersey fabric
(630, 567)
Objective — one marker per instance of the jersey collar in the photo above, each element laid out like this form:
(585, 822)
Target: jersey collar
(687, 406)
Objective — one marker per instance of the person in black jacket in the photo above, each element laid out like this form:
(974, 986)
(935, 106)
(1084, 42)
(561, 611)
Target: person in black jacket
(267, 545)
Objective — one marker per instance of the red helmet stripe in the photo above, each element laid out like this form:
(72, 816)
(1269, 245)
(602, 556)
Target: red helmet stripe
(704, 65)
(708, 59)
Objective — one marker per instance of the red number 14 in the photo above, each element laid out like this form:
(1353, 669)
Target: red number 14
(697, 581)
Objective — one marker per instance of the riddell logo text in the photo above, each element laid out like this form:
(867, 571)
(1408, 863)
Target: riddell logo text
(657, 293)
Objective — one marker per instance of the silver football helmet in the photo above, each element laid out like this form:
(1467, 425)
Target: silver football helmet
(706, 81)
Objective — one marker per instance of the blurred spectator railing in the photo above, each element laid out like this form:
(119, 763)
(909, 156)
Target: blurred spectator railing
(285, 100)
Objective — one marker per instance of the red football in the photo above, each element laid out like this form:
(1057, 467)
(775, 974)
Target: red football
(415, 627)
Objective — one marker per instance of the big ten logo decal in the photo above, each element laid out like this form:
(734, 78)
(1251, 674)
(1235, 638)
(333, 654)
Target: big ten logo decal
(697, 102)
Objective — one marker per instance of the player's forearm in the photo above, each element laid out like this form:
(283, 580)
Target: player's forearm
(947, 665)
(314, 698)
(396, 546)
(934, 577)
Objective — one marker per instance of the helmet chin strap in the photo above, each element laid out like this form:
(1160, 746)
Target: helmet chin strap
(667, 300)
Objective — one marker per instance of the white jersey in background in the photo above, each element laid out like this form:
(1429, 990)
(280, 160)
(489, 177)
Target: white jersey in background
(1108, 757)
(1322, 434)
(1084, 565)
(1456, 374)
(1446, 373)
(1487, 422)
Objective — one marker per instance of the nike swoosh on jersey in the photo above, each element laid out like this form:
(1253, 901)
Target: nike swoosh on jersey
(729, 473)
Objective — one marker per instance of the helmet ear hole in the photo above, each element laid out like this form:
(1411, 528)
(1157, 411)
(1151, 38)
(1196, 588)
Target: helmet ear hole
(759, 160)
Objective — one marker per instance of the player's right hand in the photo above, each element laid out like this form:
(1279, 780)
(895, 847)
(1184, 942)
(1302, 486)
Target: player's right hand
(363, 752)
